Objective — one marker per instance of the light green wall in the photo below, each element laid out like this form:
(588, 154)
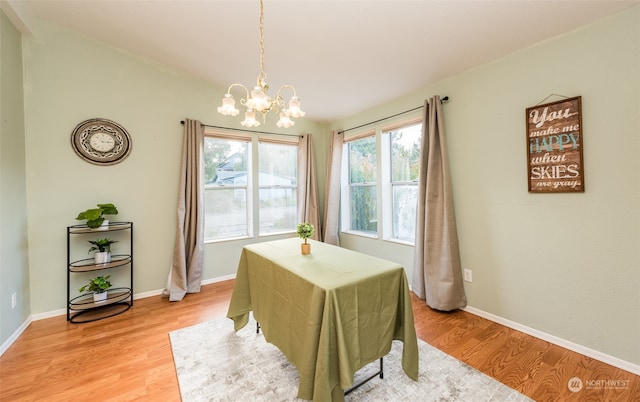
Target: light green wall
(70, 78)
(564, 264)
(14, 268)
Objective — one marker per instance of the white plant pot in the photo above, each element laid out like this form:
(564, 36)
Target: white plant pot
(103, 257)
(104, 226)
(100, 297)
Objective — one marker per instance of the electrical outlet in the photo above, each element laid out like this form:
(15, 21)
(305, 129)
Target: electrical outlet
(14, 300)
(468, 275)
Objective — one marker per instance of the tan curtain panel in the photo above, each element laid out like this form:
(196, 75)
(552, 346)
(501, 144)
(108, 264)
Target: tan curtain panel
(332, 190)
(308, 210)
(437, 275)
(186, 270)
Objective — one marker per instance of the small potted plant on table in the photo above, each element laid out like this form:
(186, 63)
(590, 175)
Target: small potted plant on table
(103, 250)
(305, 230)
(98, 286)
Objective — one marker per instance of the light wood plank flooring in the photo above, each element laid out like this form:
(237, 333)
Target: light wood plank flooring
(128, 357)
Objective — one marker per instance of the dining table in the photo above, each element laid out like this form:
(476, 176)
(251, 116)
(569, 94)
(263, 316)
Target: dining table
(330, 312)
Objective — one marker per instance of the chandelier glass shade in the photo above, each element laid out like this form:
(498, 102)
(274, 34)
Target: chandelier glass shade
(258, 99)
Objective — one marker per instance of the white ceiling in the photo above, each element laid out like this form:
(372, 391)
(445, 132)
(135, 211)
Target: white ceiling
(341, 56)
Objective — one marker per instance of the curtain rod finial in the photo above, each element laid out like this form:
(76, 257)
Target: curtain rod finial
(445, 99)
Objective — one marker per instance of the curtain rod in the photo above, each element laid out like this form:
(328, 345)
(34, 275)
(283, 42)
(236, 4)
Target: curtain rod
(245, 131)
(446, 98)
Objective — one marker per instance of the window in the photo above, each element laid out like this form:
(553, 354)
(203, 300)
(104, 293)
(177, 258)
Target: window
(362, 167)
(405, 172)
(226, 188)
(241, 170)
(380, 182)
(277, 178)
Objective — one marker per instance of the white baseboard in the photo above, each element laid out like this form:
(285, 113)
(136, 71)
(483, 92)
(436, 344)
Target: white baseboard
(603, 357)
(48, 314)
(16, 334)
(218, 279)
(151, 293)
(158, 292)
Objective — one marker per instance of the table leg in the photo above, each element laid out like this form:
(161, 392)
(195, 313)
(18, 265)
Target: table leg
(381, 373)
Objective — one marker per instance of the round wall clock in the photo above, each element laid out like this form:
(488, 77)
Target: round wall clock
(101, 141)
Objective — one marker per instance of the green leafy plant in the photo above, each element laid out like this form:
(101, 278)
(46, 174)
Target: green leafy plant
(94, 216)
(97, 285)
(101, 245)
(305, 230)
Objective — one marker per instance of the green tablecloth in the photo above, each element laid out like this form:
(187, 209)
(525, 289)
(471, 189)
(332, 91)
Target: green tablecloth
(329, 312)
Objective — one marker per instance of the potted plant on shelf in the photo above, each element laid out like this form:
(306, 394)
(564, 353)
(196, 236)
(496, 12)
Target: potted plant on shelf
(95, 216)
(98, 286)
(103, 250)
(305, 230)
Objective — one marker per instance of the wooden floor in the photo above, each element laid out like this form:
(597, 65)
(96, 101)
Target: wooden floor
(128, 357)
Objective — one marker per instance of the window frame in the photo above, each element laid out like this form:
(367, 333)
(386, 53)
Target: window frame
(253, 185)
(347, 186)
(293, 188)
(390, 183)
(385, 183)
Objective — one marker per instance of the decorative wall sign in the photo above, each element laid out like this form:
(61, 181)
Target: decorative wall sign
(554, 147)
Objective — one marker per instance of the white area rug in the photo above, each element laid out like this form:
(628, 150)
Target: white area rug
(214, 363)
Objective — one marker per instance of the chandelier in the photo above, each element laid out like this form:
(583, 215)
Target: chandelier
(258, 100)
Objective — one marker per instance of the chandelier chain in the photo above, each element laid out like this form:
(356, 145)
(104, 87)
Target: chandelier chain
(263, 76)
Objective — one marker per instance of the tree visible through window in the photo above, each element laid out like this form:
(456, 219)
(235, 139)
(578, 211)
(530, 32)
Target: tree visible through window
(389, 185)
(362, 185)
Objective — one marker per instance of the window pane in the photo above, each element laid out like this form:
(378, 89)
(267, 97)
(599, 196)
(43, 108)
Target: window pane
(225, 161)
(225, 213)
(364, 213)
(277, 178)
(225, 203)
(278, 210)
(362, 160)
(405, 153)
(405, 200)
(278, 164)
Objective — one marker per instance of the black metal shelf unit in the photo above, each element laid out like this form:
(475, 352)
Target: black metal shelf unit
(83, 308)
